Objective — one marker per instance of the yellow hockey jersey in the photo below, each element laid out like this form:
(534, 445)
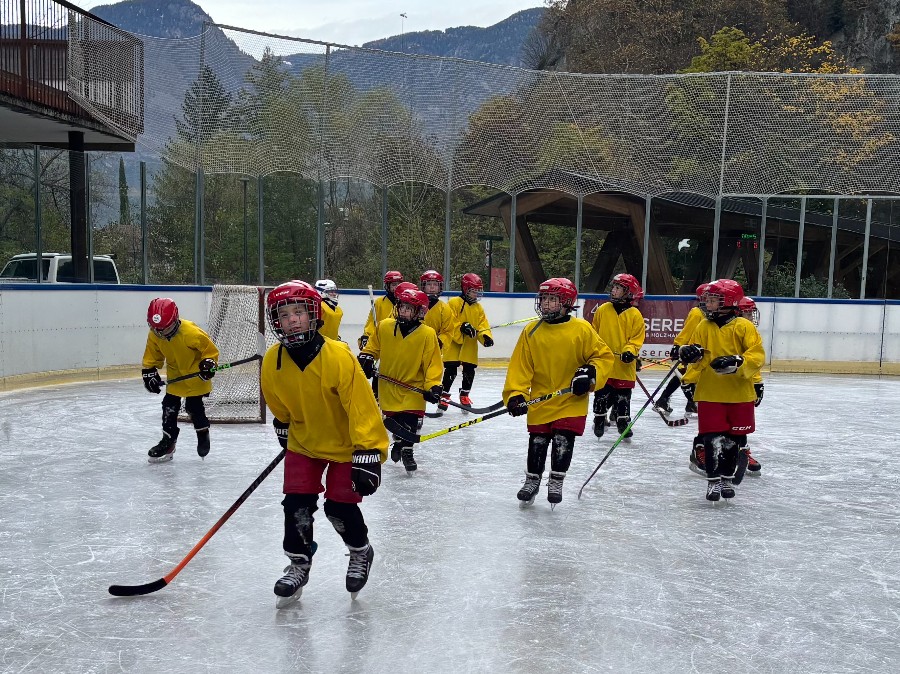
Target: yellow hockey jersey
(329, 405)
(462, 348)
(621, 332)
(414, 360)
(182, 355)
(693, 319)
(739, 337)
(331, 321)
(384, 308)
(545, 361)
(440, 319)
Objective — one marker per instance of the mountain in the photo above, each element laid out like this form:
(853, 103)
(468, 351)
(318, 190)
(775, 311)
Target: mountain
(500, 43)
(155, 18)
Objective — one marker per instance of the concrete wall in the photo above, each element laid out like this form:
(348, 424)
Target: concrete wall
(62, 332)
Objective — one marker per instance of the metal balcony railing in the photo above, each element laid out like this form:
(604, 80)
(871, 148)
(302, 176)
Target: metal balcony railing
(46, 46)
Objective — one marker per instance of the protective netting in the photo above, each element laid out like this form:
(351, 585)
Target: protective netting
(234, 101)
(235, 320)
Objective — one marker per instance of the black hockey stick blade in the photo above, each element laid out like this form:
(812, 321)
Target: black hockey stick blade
(136, 590)
(416, 389)
(671, 423)
(471, 410)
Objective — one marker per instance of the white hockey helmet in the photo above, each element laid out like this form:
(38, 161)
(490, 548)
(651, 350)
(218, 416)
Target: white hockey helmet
(328, 288)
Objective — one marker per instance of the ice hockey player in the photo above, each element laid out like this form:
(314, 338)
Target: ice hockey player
(409, 352)
(384, 306)
(621, 326)
(332, 314)
(695, 315)
(470, 326)
(751, 313)
(553, 353)
(327, 420)
(724, 356)
(185, 349)
(440, 316)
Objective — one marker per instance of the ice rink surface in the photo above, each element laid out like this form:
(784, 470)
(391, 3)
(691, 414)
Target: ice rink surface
(798, 574)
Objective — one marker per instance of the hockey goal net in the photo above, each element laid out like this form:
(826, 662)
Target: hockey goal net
(236, 321)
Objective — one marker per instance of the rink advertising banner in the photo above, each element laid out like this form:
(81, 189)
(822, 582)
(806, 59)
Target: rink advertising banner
(663, 319)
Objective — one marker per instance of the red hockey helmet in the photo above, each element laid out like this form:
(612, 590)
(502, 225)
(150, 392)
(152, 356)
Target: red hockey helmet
(472, 282)
(431, 276)
(416, 299)
(631, 286)
(748, 310)
(561, 288)
(404, 285)
(728, 293)
(162, 317)
(293, 327)
(392, 277)
(701, 290)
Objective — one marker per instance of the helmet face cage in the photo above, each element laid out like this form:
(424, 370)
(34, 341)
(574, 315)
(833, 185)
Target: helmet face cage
(431, 277)
(162, 317)
(565, 293)
(328, 288)
(749, 310)
(727, 292)
(296, 337)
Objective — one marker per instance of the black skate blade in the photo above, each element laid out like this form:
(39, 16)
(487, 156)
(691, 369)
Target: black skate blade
(161, 459)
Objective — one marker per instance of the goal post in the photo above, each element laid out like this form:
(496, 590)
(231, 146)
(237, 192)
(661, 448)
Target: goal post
(237, 315)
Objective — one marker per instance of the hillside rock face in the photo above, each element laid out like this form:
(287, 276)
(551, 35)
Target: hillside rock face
(870, 35)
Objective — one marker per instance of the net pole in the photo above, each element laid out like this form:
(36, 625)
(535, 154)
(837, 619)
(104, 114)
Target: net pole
(384, 229)
(511, 284)
(646, 252)
(762, 247)
(579, 224)
(834, 229)
(865, 257)
(145, 238)
(262, 329)
(798, 271)
(260, 230)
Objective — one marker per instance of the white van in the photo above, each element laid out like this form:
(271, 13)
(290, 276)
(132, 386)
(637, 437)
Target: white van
(56, 268)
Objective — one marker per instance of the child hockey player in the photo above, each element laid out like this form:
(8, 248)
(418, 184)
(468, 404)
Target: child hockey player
(327, 419)
(440, 316)
(470, 325)
(409, 352)
(620, 325)
(384, 306)
(695, 315)
(332, 314)
(553, 353)
(185, 349)
(725, 355)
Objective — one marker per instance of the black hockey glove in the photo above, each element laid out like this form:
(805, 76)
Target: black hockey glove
(516, 406)
(365, 473)
(585, 377)
(281, 431)
(726, 364)
(467, 329)
(207, 369)
(627, 357)
(434, 395)
(759, 388)
(673, 354)
(487, 341)
(361, 342)
(152, 381)
(690, 353)
(367, 363)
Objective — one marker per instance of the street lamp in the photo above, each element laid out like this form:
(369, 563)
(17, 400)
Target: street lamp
(402, 17)
(246, 267)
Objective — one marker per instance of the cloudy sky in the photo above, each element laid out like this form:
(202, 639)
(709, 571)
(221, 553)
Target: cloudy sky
(352, 21)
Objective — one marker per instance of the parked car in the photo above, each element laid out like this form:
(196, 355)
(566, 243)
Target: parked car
(55, 268)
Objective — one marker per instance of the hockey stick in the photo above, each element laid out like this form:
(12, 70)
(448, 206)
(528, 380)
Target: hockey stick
(410, 387)
(260, 352)
(148, 588)
(372, 304)
(408, 436)
(671, 423)
(628, 428)
(504, 325)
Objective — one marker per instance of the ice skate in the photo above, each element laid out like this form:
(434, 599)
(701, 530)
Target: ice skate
(698, 460)
(622, 426)
(529, 490)
(464, 399)
(290, 586)
(714, 489)
(396, 452)
(663, 407)
(203, 443)
(409, 461)
(443, 406)
(690, 408)
(163, 450)
(358, 569)
(554, 488)
(727, 488)
(753, 466)
(599, 425)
